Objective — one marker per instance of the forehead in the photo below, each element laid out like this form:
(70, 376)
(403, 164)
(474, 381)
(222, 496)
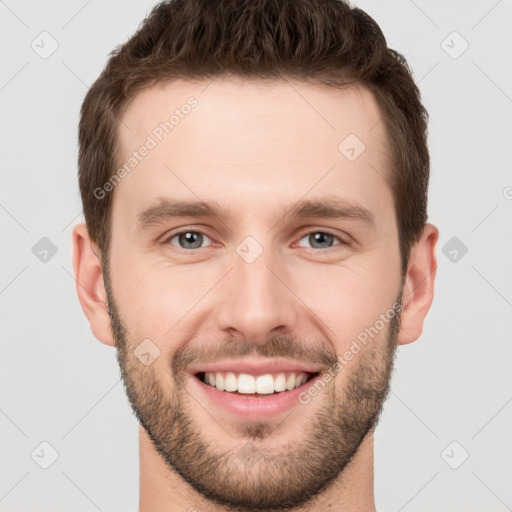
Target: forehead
(223, 108)
(251, 142)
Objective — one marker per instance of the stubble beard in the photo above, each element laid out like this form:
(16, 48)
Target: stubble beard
(284, 480)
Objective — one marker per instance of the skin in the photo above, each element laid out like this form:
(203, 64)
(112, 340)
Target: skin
(254, 148)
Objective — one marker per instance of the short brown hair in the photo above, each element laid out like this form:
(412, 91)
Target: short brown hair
(319, 41)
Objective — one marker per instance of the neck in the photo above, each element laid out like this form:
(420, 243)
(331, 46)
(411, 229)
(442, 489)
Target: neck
(163, 490)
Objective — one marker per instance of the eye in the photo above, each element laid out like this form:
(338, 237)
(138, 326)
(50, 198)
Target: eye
(189, 239)
(321, 239)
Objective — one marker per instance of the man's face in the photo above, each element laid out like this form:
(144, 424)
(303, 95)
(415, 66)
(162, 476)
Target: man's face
(258, 286)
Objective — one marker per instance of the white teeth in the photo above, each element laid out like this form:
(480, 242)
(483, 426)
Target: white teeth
(230, 382)
(280, 382)
(248, 384)
(290, 382)
(265, 384)
(219, 381)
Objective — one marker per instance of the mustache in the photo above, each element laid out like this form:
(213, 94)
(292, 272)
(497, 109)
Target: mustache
(278, 347)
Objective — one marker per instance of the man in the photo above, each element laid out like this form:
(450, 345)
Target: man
(254, 180)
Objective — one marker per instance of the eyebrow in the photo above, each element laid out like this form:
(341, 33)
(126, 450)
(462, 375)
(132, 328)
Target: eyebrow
(329, 208)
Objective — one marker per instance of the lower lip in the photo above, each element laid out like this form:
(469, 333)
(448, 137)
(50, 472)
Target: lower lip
(254, 407)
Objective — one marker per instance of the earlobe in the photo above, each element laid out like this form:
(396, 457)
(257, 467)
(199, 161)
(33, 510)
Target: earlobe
(418, 290)
(90, 286)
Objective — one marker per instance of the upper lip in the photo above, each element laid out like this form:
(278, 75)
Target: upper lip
(256, 367)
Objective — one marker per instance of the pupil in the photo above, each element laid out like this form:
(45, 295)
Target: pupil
(321, 238)
(188, 238)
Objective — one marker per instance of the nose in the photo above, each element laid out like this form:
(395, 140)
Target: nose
(257, 303)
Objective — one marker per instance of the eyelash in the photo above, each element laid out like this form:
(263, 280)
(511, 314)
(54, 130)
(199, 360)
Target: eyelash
(304, 234)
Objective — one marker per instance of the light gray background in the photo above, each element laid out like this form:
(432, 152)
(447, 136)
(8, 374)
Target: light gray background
(60, 385)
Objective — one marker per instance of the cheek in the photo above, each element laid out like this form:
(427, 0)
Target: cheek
(347, 298)
(160, 300)
(155, 299)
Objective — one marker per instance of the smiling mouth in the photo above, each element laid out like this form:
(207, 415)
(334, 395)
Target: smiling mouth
(245, 384)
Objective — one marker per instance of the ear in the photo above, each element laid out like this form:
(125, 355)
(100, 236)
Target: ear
(90, 285)
(418, 289)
